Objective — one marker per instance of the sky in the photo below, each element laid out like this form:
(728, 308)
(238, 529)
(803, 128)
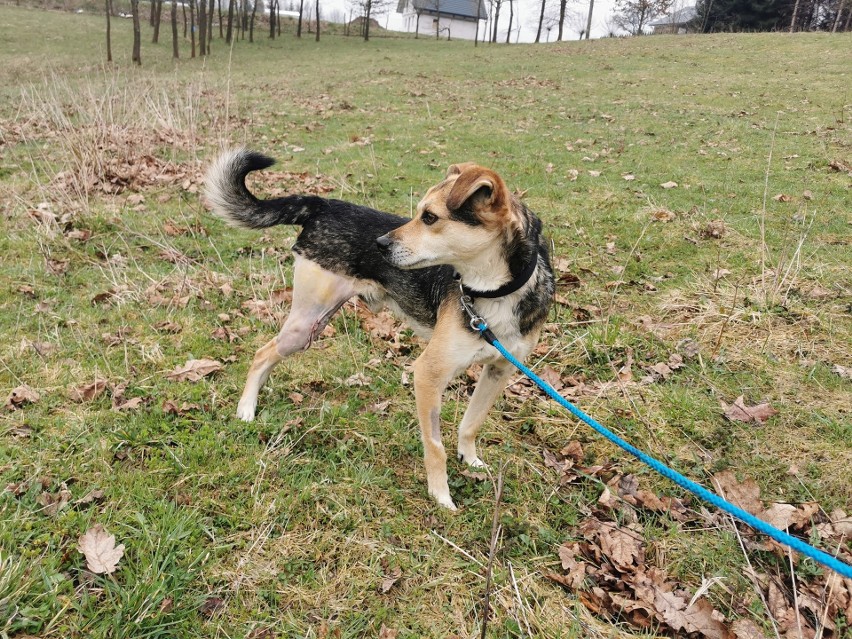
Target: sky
(528, 10)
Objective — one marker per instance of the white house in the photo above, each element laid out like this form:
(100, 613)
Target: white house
(457, 19)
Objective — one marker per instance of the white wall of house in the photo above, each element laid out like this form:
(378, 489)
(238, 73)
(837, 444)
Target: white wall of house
(459, 29)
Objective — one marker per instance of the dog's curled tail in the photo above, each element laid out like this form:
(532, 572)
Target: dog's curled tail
(226, 192)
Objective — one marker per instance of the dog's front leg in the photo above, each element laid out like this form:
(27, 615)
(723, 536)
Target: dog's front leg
(431, 376)
(491, 383)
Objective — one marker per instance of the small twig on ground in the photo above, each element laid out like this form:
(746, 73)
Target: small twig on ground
(459, 549)
(495, 534)
(521, 605)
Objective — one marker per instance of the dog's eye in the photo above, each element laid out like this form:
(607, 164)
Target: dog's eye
(428, 218)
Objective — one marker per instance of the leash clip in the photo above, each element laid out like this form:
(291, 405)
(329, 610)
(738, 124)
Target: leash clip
(477, 322)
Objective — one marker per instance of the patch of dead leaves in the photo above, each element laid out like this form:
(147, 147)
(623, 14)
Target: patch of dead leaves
(20, 396)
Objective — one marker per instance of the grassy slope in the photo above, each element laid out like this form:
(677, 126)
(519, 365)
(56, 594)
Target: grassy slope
(294, 520)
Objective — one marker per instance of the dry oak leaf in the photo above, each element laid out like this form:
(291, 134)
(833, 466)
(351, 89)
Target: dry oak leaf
(21, 395)
(669, 185)
(739, 412)
(746, 495)
(99, 549)
(194, 370)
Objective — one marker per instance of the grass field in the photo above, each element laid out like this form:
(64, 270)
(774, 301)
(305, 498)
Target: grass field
(313, 521)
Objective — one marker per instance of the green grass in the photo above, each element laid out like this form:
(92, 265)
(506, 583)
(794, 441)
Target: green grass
(294, 520)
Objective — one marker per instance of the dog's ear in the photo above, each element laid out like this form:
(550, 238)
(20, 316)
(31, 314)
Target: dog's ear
(471, 181)
(456, 169)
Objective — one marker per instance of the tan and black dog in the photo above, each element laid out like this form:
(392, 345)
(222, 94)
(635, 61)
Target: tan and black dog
(471, 237)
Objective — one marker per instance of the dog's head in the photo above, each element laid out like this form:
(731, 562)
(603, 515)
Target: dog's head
(456, 219)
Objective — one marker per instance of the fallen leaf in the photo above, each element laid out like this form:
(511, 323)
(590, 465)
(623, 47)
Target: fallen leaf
(358, 379)
(168, 327)
(669, 185)
(844, 371)
(387, 633)
(390, 579)
(54, 502)
(662, 215)
(745, 494)
(99, 549)
(21, 395)
(194, 370)
(781, 197)
(88, 392)
(211, 605)
(739, 412)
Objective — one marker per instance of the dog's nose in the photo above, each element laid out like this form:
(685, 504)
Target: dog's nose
(384, 241)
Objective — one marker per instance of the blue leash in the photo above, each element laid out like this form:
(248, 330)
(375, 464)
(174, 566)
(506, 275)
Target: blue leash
(758, 524)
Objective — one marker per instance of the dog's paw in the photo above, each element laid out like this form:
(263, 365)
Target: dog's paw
(444, 500)
(472, 460)
(245, 412)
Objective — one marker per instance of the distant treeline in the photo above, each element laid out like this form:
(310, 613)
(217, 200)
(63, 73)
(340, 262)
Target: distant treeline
(772, 15)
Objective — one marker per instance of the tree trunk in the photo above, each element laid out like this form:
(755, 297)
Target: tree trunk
(109, 32)
(511, 19)
(230, 30)
(273, 13)
(202, 27)
(438, 20)
(221, 21)
(209, 27)
(793, 20)
(153, 13)
(540, 22)
(183, 5)
(496, 20)
(476, 33)
(318, 21)
(175, 51)
(299, 24)
(562, 5)
(251, 24)
(417, 27)
(589, 19)
(137, 34)
(157, 20)
(192, 27)
(840, 7)
(367, 21)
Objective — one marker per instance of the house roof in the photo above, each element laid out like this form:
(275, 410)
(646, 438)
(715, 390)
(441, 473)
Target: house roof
(681, 16)
(460, 8)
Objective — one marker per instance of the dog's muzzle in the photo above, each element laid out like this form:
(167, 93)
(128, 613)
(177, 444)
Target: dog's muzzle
(384, 243)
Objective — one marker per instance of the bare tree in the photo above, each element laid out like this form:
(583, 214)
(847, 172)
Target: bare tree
(253, 14)
(273, 16)
(511, 19)
(497, 5)
(589, 20)
(318, 20)
(230, 30)
(202, 27)
(137, 33)
(157, 9)
(634, 15)
(562, 6)
(299, 24)
(540, 21)
(210, 8)
(192, 27)
(109, 31)
(175, 51)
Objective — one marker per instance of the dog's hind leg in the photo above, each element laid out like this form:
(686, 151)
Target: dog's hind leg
(317, 296)
(491, 383)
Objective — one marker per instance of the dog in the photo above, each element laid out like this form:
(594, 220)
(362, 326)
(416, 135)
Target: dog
(471, 241)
